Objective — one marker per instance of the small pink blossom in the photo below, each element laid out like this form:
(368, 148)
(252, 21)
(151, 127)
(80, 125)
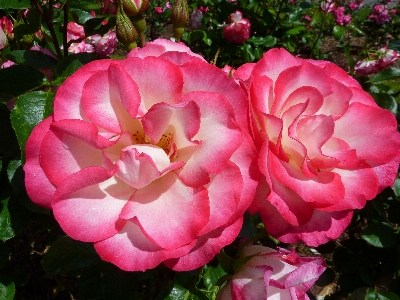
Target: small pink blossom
(81, 47)
(380, 14)
(109, 7)
(341, 18)
(366, 67)
(273, 274)
(7, 64)
(158, 10)
(104, 45)
(327, 6)
(3, 39)
(387, 57)
(239, 30)
(195, 19)
(75, 31)
(7, 26)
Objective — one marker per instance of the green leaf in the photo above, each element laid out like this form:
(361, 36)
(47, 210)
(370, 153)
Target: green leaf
(396, 187)
(67, 256)
(17, 4)
(305, 5)
(270, 41)
(379, 235)
(13, 218)
(29, 110)
(80, 16)
(380, 295)
(194, 36)
(256, 40)
(394, 45)
(247, 53)
(338, 32)
(24, 29)
(296, 30)
(389, 73)
(178, 293)
(355, 28)
(386, 101)
(8, 141)
(32, 58)
(212, 275)
(317, 18)
(11, 84)
(7, 288)
(70, 64)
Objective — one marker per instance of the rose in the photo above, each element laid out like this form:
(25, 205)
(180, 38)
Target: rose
(148, 158)
(325, 146)
(239, 30)
(272, 274)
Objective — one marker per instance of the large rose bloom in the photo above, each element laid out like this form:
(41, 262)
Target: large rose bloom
(325, 146)
(148, 158)
(273, 275)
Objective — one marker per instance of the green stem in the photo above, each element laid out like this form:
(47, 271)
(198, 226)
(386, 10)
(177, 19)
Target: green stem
(48, 21)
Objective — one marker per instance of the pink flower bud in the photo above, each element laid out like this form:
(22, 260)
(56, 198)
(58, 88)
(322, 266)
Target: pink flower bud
(135, 7)
(109, 7)
(239, 30)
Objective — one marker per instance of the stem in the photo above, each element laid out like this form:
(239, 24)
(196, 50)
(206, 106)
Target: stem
(47, 19)
(277, 16)
(65, 9)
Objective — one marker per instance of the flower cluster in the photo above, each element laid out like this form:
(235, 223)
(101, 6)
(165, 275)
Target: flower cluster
(378, 61)
(155, 159)
(238, 31)
(380, 14)
(102, 45)
(271, 274)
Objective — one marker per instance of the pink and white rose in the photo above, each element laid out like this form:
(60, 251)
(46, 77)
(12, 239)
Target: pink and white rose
(325, 146)
(239, 30)
(149, 158)
(273, 274)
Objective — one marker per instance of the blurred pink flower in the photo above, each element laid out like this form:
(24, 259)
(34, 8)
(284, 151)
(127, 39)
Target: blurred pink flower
(75, 31)
(104, 45)
(81, 47)
(3, 39)
(327, 6)
(239, 30)
(7, 64)
(366, 67)
(195, 19)
(341, 18)
(387, 57)
(380, 14)
(109, 7)
(7, 26)
(158, 10)
(273, 274)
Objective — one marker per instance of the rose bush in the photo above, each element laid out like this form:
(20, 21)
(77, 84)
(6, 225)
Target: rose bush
(325, 146)
(149, 158)
(272, 274)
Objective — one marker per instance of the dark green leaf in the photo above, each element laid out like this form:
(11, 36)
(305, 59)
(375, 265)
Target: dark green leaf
(17, 4)
(25, 29)
(295, 30)
(11, 84)
(8, 140)
(4, 255)
(390, 73)
(178, 293)
(305, 5)
(212, 275)
(317, 18)
(397, 187)
(194, 36)
(386, 101)
(256, 40)
(67, 256)
(20, 277)
(270, 41)
(395, 45)
(13, 218)
(247, 53)
(29, 110)
(80, 16)
(70, 64)
(32, 58)
(338, 32)
(7, 288)
(355, 28)
(380, 295)
(379, 235)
